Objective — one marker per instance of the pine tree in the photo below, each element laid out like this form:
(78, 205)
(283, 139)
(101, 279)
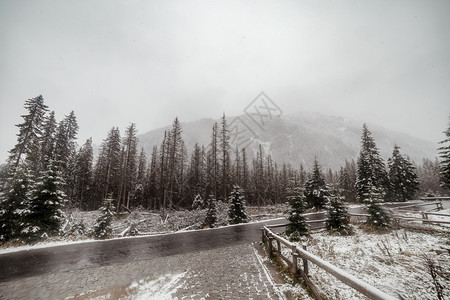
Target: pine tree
(29, 137)
(106, 179)
(316, 188)
(429, 177)
(46, 216)
(175, 152)
(65, 151)
(211, 214)
(196, 172)
(258, 179)
(83, 173)
(370, 167)
(402, 177)
(152, 191)
(198, 202)
(103, 226)
(237, 168)
(213, 163)
(245, 172)
(378, 217)
(14, 205)
(236, 211)
(224, 148)
(338, 218)
(128, 167)
(139, 191)
(297, 223)
(444, 154)
(48, 141)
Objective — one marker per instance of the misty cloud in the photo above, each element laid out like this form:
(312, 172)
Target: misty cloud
(116, 62)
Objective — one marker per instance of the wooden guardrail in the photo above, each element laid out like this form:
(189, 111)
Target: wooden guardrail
(437, 203)
(434, 198)
(296, 252)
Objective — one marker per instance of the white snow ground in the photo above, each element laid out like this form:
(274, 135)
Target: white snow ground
(155, 289)
(393, 262)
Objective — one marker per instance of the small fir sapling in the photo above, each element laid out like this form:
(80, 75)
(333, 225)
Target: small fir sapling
(338, 219)
(102, 228)
(211, 214)
(378, 218)
(237, 212)
(297, 223)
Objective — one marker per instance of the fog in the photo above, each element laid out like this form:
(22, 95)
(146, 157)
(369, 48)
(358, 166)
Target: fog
(116, 62)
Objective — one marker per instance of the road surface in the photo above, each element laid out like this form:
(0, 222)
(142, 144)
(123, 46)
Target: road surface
(27, 263)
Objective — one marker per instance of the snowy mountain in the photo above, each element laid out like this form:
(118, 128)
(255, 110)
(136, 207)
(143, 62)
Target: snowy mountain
(298, 138)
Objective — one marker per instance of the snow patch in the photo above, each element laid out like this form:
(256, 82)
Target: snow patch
(160, 288)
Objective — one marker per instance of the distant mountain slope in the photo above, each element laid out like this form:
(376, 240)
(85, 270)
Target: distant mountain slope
(298, 138)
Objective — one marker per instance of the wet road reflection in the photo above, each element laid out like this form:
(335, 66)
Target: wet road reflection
(79, 256)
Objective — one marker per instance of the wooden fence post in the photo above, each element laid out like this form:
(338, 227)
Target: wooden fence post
(424, 215)
(270, 245)
(294, 259)
(263, 235)
(305, 261)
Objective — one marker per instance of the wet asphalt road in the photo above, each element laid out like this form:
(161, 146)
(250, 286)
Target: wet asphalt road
(34, 262)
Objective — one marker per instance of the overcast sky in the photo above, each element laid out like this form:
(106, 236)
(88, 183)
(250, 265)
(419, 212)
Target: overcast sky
(115, 62)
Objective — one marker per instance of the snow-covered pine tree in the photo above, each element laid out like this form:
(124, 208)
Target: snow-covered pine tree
(316, 188)
(151, 191)
(212, 163)
(45, 217)
(237, 167)
(411, 178)
(129, 167)
(195, 175)
(14, 205)
(297, 223)
(225, 164)
(245, 171)
(198, 202)
(428, 174)
(48, 141)
(370, 167)
(344, 184)
(107, 169)
(211, 213)
(103, 225)
(258, 179)
(29, 137)
(378, 217)
(237, 212)
(338, 219)
(175, 153)
(66, 135)
(65, 151)
(444, 154)
(139, 189)
(403, 182)
(83, 173)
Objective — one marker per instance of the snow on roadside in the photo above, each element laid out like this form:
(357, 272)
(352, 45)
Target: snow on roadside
(392, 262)
(147, 223)
(43, 244)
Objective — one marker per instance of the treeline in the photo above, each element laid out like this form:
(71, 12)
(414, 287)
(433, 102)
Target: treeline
(171, 177)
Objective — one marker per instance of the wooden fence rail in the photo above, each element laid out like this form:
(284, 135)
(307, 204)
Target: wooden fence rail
(352, 281)
(434, 198)
(437, 203)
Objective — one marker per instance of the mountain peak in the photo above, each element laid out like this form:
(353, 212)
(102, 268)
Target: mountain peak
(298, 138)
